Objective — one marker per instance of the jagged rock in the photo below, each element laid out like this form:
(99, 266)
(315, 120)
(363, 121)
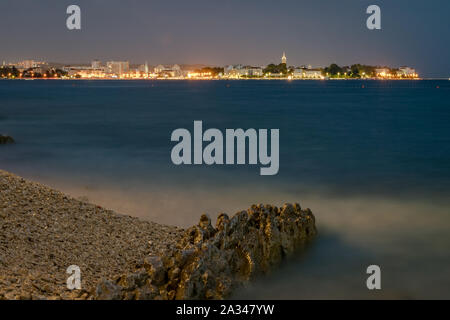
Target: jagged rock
(147, 292)
(134, 280)
(156, 270)
(107, 290)
(6, 139)
(210, 262)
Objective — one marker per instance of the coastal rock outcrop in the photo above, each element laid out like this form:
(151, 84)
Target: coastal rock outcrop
(209, 262)
(6, 139)
(43, 231)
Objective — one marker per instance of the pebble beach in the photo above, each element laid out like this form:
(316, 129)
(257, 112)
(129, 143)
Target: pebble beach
(43, 232)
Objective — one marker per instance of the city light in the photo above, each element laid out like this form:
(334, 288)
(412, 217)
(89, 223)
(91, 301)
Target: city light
(125, 71)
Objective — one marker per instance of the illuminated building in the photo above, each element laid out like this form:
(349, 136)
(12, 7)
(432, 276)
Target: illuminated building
(252, 71)
(96, 64)
(118, 67)
(200, 75)
(143, 68)
(307, 73)
(383, 72)
(27, 64)
(168, 71)
(407, 72)
(238, 71)
(284, 59)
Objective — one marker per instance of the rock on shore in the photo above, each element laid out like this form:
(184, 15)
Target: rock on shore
(209, 262)
(6, 139)
(43, 231)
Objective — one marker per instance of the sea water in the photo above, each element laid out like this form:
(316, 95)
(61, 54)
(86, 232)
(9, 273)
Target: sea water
(370, 158)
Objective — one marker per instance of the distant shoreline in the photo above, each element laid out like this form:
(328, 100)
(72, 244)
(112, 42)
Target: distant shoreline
(251, 79)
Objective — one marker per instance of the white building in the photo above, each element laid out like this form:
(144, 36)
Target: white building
(249, 71)
(382, 72)
(306, 73)
(407, 72)
(84, 71)
(313, 74)
(96, 64)
(144, 67)
(298, 73)
(118, 67)
(168, 71)
(233, 71)
(27, 64)
(238, 71)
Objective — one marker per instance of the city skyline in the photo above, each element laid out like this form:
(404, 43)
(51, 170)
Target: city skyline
(251, 33)
(125, 70)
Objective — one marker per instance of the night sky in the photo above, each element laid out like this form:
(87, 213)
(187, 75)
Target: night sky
(256, 32)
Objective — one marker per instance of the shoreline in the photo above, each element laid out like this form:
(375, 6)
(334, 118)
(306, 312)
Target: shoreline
(229, 79)
(121, 257)
(45, 231)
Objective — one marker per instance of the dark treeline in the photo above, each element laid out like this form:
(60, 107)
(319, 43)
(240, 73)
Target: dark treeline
(354, 71)
(276, 69)
(9, 72)
(13, 72)
(215, 71)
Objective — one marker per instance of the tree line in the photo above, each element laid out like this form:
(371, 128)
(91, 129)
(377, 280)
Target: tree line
(13, 72)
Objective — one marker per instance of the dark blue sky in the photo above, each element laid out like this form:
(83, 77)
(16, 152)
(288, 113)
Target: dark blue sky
(316, 32)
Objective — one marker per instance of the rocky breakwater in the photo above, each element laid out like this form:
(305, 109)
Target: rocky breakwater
(209, 262)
